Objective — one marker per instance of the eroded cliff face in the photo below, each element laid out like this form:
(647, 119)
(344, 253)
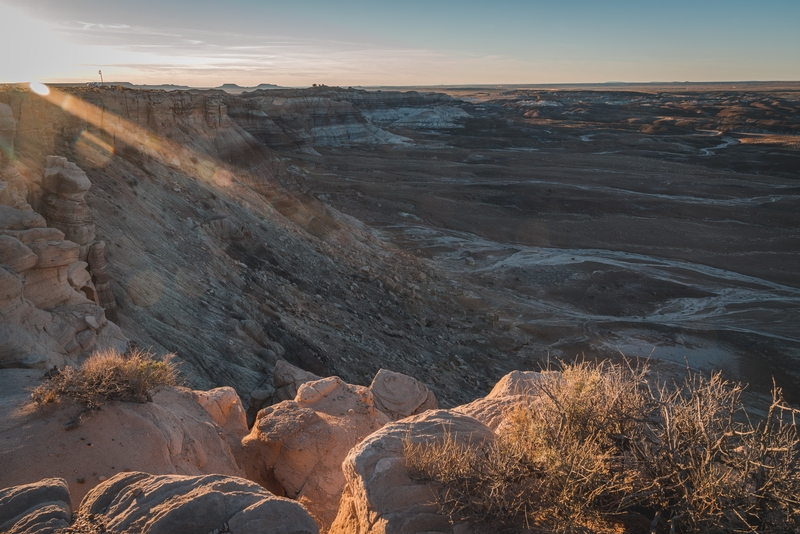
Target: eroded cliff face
(215, 251)
(48, 304)
(326, 116)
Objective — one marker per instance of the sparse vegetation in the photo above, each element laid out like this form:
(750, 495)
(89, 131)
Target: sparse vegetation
(109, 376)
(597, 443)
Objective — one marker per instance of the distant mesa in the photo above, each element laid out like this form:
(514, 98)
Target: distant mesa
(230, 88)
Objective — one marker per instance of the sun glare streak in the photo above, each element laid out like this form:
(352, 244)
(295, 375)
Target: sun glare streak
(118, 129)
(39, 88)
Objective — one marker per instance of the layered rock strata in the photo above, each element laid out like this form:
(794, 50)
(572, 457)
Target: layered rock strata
(98, 267)
(42, 507)
(8, 130)
(48, 302)
(139, 503)
(64, 207)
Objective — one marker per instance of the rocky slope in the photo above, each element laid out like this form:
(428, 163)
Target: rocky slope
(217, 251)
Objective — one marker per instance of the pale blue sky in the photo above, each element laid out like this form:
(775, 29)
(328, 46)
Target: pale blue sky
(356, 42)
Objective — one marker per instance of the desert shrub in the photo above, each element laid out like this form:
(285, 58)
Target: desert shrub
(598, 441)
(709, 468)
(109, 376)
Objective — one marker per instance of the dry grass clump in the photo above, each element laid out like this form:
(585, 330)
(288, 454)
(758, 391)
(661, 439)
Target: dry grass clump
(598, 442)
(109, 376)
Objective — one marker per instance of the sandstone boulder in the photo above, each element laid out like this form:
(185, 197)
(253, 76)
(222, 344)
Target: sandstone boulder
(398, 395)
(492, 412)
(300, 444)
(512, 391)
(225, 408)
(40, 507)
(16, 255)
(380, 496)
(517, 383)
(65, 179)
(171, 435)
(139, 503)
(288, 378)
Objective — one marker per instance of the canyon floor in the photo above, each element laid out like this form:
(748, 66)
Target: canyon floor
(661, 222)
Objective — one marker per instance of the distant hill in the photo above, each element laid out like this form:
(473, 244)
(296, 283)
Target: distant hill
(234, 89)
(230, 88)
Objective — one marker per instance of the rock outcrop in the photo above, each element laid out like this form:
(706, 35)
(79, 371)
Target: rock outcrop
(287, 380)
(300, 444)
(380, 496)
(46, 321)
(64, 206)
(172, 434)
(139, 503)
(225, 408)
(40, 507)
(333, 116)
(98, 268)
(398, 395)
(515, 389)
(286, 120)
(48, 303)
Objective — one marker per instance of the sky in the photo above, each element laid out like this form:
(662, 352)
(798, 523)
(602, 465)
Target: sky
(205, 43)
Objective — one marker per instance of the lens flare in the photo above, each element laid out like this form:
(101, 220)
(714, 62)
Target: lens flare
(92, 150)
(39, 88)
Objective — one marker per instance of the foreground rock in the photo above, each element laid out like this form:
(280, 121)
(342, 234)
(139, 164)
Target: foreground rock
(172, 434)
(398, 395)
(379, 496)
(42, 506)
(138, 503)
(300, 444)
(288, 378)
(515, 389)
